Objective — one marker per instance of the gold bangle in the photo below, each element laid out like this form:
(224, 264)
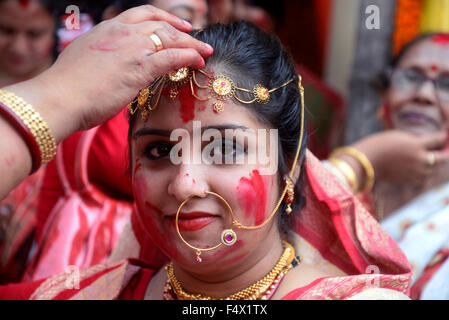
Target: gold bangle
(34, 122)
(363, 160)
(348, 172)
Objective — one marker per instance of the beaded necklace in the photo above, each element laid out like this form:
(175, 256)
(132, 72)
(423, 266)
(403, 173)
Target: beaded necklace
(261, 290)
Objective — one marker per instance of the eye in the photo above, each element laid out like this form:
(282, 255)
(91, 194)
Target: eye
(158, 150)
(6, 30)
(413, 76)
(35, 34)
(228, 149)
(443, 83)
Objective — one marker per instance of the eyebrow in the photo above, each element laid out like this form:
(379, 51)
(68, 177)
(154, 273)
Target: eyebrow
(166, 133)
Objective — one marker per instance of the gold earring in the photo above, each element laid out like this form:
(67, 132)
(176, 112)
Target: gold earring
(289, 196)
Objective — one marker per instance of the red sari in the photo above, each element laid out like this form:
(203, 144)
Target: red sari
(335, 233)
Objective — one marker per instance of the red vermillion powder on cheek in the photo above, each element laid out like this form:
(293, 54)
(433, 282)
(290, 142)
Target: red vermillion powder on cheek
(434, 67)
(252, 197)
(137, 166)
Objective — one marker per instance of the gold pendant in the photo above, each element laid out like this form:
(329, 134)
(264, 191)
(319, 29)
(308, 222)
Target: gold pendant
(198, 258)
(218, 106)
(143, 97)
(173, 93)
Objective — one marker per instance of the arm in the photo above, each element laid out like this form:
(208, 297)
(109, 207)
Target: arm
(399, 157)
(95, 76)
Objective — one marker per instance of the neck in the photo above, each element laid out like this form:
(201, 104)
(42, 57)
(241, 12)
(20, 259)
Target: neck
(249, 271)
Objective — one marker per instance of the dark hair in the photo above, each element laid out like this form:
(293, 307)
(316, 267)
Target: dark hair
(251, 56)
(383, 81)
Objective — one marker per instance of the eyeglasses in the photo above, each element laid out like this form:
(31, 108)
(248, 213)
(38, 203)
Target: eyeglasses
(411, 80)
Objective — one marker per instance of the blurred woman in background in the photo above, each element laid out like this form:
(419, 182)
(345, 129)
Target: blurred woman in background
(410, 161)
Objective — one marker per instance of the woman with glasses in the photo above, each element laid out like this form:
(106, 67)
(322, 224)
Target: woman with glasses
(409, 161)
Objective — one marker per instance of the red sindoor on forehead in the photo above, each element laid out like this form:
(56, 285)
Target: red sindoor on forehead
(441, 39)
(187, 101)
(24, 3)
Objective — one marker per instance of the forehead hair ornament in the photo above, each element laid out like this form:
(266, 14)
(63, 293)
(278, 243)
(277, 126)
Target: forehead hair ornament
(220, 88)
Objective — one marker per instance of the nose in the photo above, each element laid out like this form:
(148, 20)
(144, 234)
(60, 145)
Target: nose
(188, 181)
(426, 94)
(19, 44)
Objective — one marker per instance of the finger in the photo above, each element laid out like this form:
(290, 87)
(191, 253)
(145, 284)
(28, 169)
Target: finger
(150, 13)
(434, 140)
(441, 157)
(165, 61)
(172, 38)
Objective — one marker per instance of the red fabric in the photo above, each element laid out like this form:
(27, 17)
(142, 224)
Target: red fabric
(136, 288)
(85, 224)
(107, 164)
(19, 291)
(292, 295)
(428, 273)
(69, 293)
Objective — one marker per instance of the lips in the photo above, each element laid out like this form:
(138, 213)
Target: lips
(416, 118)
(192, 221)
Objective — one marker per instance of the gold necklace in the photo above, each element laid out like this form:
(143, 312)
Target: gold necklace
(261, 290)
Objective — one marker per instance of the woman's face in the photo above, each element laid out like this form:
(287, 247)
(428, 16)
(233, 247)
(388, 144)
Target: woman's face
(414, 103)
(26, 37)
(160, 186)
(193, 11)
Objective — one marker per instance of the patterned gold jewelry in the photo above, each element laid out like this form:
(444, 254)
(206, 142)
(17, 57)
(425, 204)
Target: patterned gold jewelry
(363, 160)
(177, 79)
(220, 87)
(261, 290)
(157, 42)
(34, 122)
(289, 197)
(347, 171)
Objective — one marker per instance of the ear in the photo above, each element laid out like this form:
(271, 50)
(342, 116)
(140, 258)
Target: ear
(296, 173)
(111, 12)
(384, 112)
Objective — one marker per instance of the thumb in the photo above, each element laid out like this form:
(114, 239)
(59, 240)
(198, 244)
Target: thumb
(435, 140)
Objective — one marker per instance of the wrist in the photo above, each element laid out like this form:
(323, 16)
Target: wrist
(45, 95)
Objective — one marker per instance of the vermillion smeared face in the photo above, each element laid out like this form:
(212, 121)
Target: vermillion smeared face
(160, 186)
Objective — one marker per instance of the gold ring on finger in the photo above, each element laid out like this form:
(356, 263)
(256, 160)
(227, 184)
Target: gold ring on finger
(431, 159)
(157, 42)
